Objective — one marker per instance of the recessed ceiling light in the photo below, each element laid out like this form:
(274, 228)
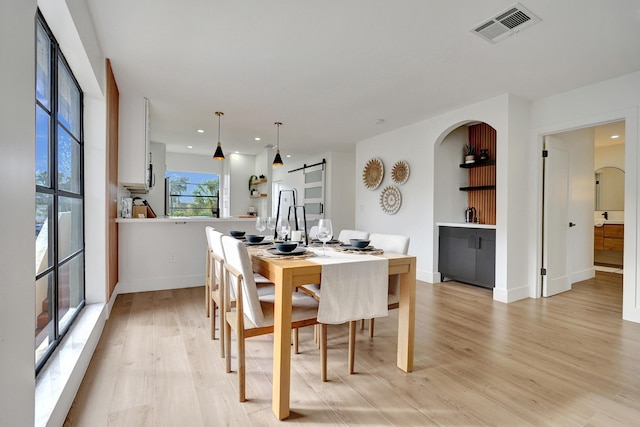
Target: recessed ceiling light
(288, 155)
(200, 131)
(257, 138)
(237, 152)
(615, 136)
(189, 146)
(378, 121)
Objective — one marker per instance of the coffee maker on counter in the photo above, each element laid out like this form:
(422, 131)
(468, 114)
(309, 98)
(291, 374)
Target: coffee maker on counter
(470, 215)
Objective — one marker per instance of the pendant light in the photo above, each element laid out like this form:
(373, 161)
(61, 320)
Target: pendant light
(277, 160)
(218, 154)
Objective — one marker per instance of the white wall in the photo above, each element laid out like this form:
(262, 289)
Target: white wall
(418, 144)
(339, 189)
(451, 202)
(610, 155)
(73, 29)
(17, 185)
(241, 167)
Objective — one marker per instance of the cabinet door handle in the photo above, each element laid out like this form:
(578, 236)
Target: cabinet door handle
(479, 239)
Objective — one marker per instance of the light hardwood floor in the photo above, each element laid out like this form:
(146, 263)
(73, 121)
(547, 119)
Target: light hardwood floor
(568, 360)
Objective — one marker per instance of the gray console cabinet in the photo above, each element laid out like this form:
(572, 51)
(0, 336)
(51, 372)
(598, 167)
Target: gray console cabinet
(468, 255)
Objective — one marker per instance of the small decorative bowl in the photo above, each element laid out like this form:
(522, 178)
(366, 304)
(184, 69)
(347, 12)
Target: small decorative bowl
(359, 243)
(254, 238)
(237, 233)
(286, 246)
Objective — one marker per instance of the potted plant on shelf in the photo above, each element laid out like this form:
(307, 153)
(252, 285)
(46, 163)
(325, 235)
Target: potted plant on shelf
(469, 154)
(252, 178)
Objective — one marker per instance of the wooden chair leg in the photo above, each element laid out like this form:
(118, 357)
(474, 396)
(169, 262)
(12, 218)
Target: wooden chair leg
(207, 304)
(241, 367)
(212, 315)
(371, 323)
(315, 334)
(361, 324)
(227, 346)
(222, 322)
(323, 351)
(352, 345)
(295, 340)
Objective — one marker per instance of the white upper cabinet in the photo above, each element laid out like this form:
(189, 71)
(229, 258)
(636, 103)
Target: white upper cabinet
(133, 142)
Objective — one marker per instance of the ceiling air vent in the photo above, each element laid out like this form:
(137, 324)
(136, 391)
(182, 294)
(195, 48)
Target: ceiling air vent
(506, 24)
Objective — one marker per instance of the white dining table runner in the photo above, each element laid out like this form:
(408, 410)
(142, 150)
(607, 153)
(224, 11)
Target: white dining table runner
(353, 286)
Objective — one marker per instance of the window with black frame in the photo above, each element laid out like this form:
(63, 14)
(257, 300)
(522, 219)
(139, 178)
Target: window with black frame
(59, 225)
(192, 194)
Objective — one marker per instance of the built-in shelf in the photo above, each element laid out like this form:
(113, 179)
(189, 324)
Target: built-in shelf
(478, 164)
(478, 187)
(259, 181)
(258, 196)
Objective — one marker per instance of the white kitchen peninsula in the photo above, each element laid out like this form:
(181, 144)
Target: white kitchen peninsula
(167, 252)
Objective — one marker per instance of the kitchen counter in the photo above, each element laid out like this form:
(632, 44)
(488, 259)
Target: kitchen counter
(168, 252)
(466, 225)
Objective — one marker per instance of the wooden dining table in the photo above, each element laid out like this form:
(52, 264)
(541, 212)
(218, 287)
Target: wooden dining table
(287, 274)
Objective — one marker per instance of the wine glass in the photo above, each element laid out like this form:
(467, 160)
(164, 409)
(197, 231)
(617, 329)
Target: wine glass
(271, 225)
(325, 233)
(283, 227)
(261, 224)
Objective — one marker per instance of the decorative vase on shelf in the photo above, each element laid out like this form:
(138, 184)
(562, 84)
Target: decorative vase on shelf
(484, 155)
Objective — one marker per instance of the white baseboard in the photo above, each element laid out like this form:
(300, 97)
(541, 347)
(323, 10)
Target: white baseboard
(429, 277)
(160, 284)
(579, 276)
(510, 295)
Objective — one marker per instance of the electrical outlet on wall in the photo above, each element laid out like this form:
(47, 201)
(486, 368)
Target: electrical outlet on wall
(172, 257)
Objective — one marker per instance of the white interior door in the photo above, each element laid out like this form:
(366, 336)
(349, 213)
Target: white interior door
(555, 222)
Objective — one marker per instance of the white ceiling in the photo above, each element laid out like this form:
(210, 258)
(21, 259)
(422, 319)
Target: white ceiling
(329, 69)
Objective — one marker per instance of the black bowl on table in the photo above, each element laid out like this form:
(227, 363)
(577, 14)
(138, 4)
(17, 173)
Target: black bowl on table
(359, 243)
(237, 234)
(286, 246)
(254, 238)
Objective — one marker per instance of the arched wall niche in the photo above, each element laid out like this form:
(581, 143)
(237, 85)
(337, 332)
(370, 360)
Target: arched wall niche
(450, 177)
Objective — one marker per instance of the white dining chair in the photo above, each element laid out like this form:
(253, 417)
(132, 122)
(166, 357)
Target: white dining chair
(346, 235)
(254, 313)
(216, 294)
(396, 244)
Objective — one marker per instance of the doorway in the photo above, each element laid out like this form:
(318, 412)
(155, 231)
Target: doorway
(570, 233)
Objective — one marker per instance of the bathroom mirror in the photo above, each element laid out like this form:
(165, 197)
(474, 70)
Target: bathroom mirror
(609, 189)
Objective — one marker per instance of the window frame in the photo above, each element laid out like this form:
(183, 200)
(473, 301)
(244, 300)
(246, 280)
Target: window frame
(170, 197)
(52, 188)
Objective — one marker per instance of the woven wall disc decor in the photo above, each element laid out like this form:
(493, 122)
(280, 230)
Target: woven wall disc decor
(373, 173)
(400, 172)
(390, 199)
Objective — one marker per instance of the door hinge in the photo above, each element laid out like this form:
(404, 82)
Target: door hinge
(545, 153)
(543, 271)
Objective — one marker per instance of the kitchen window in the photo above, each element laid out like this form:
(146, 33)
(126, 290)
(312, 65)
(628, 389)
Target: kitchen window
(192, 194)
(59, 225)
